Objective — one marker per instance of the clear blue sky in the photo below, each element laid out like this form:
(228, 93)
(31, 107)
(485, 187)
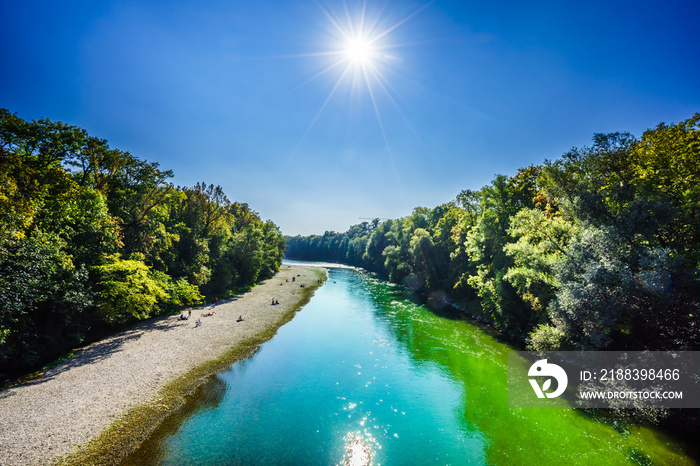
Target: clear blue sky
(234, 93)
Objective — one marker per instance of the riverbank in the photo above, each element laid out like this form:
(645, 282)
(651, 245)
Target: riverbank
(325, 265)
(100, 404)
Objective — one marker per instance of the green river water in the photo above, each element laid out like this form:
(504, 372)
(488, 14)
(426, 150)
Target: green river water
(364, 370)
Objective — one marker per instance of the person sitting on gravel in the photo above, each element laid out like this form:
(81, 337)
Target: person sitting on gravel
(240, 319)
(198, 323)
(182, 317)
(209, 314)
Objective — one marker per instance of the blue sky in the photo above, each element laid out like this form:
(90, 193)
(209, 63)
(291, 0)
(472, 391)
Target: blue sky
(245, 94)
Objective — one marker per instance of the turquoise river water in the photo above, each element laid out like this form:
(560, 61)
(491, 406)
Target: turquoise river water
(364, 372)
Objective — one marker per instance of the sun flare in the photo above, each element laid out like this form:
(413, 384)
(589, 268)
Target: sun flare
(359, 50)
(358, 54)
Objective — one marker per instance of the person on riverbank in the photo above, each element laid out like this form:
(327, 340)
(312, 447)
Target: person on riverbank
(240, 319)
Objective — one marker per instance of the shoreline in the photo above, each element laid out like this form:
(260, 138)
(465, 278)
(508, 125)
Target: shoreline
(322, 264)
(101, 404)
(439, 299)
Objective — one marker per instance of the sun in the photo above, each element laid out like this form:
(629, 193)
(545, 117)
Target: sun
(359, 50)
(359, 54)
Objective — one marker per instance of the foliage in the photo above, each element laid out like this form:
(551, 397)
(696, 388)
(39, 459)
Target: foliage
(126, 290)
(542, 241)
(44, 299)
(92, 237)
(545, 337)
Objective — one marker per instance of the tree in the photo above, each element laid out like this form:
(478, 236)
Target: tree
(43, 301)
(612, 296)
(127, 289)
(485, 245)
(596, 250)
(666, 166)
(542, 242)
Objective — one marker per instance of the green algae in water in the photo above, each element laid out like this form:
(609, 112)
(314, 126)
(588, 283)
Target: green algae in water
(365, 365)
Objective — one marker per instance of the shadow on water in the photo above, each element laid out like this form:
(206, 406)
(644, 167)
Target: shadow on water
(207, 397)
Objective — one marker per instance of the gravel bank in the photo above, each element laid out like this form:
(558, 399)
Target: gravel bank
(42, 421)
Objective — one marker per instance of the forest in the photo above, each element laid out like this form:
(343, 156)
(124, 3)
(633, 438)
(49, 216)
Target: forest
(93, 238)
(597, 250)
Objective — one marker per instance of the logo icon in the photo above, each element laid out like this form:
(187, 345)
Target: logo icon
(543, 369)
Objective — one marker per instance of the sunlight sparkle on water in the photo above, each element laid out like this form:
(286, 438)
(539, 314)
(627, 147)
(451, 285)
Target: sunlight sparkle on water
(358, 450)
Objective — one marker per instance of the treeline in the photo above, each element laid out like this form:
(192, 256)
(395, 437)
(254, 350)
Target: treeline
(597, 250)
(92, 237)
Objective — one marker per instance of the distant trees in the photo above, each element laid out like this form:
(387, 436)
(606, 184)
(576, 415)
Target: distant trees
(92, 236)
(596, 250)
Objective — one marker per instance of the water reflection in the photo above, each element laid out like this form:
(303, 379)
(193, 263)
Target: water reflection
(206, 398)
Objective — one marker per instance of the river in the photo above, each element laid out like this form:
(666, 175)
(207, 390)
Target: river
(365, 371)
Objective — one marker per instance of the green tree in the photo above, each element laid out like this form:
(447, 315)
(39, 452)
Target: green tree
(542, 242)
(43, 301)
(126, 289)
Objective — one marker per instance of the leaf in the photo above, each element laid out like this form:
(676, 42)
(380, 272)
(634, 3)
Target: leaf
(546, 385)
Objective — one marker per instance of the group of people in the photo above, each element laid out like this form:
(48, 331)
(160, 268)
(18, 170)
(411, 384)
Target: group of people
(274, 302)
(198, 322)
